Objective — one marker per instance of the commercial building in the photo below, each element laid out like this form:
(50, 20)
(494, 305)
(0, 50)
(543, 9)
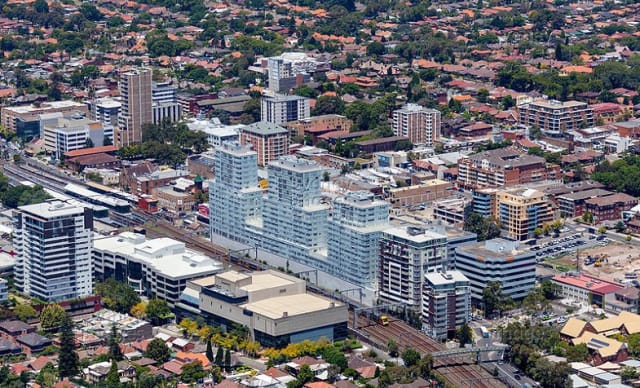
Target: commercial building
(281, 108)
(419, 124)
(105, 110)
(158, 267)
(53, 243)
(294, 218)
(452, 211)
(555, 118)
(355, 229)
(420, 194)
(235, 199)
(586, 289)
(269, 140)
(504, 167)
(273, 306)
(73, 133)
(521, 211)
(164, 102)
(217, 133)
(485, 202)
(135, 90)
(446, 303)
(175, 200)
(291, 70)
(498, 260)
(407, 254)
(24, 121)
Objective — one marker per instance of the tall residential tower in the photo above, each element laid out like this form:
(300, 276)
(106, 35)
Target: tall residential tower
(135, 90)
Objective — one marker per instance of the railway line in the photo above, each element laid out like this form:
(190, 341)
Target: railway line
(458, 371)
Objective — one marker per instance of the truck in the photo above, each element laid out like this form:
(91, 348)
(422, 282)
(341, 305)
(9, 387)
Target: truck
(384, 320)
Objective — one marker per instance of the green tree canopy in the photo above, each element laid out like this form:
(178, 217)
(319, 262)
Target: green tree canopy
(52, 316)
(68, 360)
(158, 350)
(117, 296)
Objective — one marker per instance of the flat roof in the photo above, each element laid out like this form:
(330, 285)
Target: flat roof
(445, 277)
(54, 208)
(425, 235)
(263, 280)
(588, 282)
(265, 128)
(292, 305)
(232, 276)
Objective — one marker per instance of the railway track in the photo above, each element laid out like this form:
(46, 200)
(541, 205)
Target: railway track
(458, 371)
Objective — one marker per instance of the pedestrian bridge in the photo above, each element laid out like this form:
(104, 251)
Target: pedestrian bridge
(441, 355)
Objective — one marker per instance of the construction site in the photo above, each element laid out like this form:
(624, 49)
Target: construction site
(615, 261)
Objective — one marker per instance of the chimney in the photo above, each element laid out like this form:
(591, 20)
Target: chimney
(285, 314)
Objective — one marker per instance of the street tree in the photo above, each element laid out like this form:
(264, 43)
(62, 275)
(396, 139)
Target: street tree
(68, 360)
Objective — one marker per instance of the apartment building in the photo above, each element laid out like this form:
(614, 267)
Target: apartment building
(291, 70)
(69, 134)
(316, 126)
(294, 217)
(53, 241)
(504, 167)
(24, 120)
(573, 204)
(235, 199)
(135, 90)
(485, 202)
(446, 303)
(217, 133)
(610, 208)
(419, 124)
(158, 267)
(281, 108)
(555, 118)
(355, 229)
(498, 260)
(521, 211)
(407, 254)
(105, 111)
(164, 102)
(269, 140)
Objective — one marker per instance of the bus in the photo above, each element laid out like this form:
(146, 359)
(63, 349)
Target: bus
(484, 331)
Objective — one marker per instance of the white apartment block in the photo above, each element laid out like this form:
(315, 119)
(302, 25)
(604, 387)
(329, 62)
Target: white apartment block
(62, 135)
(235, 199)
(294, 218)
(282, 108)
(53, 243)
(446, 303)
(355, 229)
(407, 254)
(158, 267)
(419, 124)
(217, 133)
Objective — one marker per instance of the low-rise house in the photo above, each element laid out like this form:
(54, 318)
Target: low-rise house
(15, 328)
(33, 342)
(97, 373)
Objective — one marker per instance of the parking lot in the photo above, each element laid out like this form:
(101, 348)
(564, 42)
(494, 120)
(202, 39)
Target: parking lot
(562, 246)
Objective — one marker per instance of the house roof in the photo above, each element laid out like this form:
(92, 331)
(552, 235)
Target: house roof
(90, 151)
(573, 327)
(606, 347)
(33, 340)
(14, 326)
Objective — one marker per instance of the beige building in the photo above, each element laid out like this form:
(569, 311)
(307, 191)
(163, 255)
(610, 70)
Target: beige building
(521, 211)
(174, 201)
(274, 306)
(25, 120)
(135, 90)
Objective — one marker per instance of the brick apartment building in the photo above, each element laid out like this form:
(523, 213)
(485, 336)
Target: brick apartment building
(502, 168)
(553, 117)
(318, 125)
(269, 140)
(610, 208)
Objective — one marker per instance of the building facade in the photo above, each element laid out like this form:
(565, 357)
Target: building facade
(74, 133)
(269, 140)
(355, 228)
(157, 268)
(553, 117)
(610, 208)
(135, 90)
(498, 260)
(407, 254)
(294, 218)
(504, 167)
(235, 200)
(53, 243)
(446, 303)
(281, 108)
(105, 110)
(521, 211)
(25, 121)
(419, 124)
(164, 102)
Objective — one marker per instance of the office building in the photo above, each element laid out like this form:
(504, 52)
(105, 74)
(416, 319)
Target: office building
(555, 118)
(275, 307)
(53, 243)
(498, 260)
(164, 102)
(69, 134)
(588, 290)
(157, 268)
(105, 111)
(504, 167)
(235, 199)
(407, 254)
(446, 303)
(355, 228)
(269, 140)
(135, 90)
(281, 108)
(521, 211)
(419, 124)
(24, 121)
(294, 218)
(217, 133)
